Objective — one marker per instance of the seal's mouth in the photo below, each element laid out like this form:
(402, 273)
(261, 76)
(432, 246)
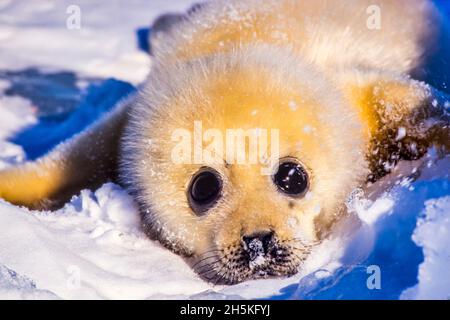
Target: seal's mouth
(253, 259)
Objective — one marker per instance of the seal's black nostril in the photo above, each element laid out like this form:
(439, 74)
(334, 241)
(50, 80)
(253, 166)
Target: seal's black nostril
(259, 241)
(267, 241)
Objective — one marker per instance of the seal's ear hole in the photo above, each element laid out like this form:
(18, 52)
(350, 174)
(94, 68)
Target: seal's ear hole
(291, 177)
(204, 190)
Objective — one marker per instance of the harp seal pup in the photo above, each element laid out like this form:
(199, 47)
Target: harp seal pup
(339, 94)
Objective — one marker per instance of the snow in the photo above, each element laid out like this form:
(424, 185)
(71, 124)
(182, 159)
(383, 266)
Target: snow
(16, 114)
(400, 134)
(104, 46)
(15, 286)
(93, 248)
(370, 211)
(256, 251)
(293, 105)
(432, 233)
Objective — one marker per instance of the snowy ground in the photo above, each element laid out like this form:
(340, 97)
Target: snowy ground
(53, 83)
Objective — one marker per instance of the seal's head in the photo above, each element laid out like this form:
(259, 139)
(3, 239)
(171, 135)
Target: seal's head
(241, 160)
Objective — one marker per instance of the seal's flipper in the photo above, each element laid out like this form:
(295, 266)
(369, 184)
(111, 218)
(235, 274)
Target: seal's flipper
(432, 119)
(87, 160)
(403, 118)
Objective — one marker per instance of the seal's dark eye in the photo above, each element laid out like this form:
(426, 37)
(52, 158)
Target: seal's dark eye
(291, 178)
(204, 190)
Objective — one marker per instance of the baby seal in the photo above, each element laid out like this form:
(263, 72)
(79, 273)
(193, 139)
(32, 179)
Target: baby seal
(255, 123)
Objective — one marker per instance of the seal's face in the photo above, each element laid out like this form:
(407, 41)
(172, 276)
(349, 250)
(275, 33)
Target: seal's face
(236, 212)
(255, 226)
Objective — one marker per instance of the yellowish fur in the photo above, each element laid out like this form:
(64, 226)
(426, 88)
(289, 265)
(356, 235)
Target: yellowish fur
(245, 64)
(327, 33)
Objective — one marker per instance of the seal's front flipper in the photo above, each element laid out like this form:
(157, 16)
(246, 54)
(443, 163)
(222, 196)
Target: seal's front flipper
(402, 118)
(435, 116)
(87, 160)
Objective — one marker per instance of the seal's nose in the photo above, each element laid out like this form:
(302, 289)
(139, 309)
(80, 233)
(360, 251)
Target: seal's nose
(258, 243)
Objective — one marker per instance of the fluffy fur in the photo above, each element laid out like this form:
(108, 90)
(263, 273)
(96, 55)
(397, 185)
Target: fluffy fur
(244, 64)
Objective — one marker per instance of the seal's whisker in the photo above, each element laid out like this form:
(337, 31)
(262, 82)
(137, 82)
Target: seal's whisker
(203, 259)
(201, 268)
